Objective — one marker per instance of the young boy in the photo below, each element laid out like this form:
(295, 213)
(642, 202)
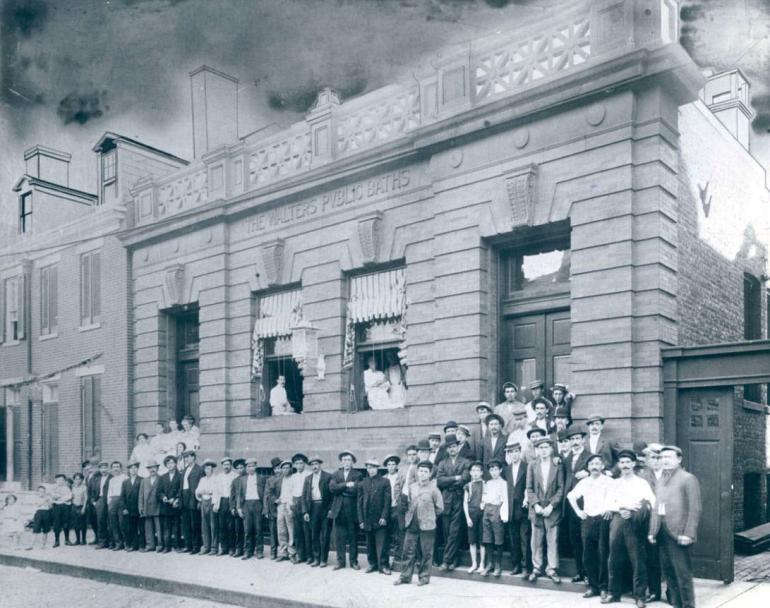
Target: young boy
(494, 504)
(61, 499)
(206, 493)
(472, 508)
(78, 518)
(41, 521)
(12, 521)
(425, 505)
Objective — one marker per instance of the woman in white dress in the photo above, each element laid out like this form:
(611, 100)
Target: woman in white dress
(395, 377)
(190, 433)
(158, 446)
(376, 387)
(141, 453)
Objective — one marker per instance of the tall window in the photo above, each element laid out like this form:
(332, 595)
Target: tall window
(375, 340)
(49, 307)
(90, 414)
(12, 312)
(752, 325)
(90, 288)
(25, 213)
(109, 174)
(49, 437)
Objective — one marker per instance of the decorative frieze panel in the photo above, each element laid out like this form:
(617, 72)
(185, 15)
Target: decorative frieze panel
(520, 63)
(183, 193)
(378, 123)
(281, 159)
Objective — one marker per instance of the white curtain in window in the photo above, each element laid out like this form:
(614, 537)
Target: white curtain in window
(278, 313)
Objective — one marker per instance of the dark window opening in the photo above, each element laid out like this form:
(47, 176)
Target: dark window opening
(280, 364)
(25, 213)
(90, 415)
(187, 366)
(387, 382)
(90, 288)
(752, 325)
(752, 503)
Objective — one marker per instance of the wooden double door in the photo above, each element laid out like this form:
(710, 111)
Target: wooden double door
(537, 346)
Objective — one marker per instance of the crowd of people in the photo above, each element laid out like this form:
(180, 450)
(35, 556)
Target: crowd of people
(524, 477)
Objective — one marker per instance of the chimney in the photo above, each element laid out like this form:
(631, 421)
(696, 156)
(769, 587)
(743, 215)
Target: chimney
(48, 164)
(214, 109)
(727, 95)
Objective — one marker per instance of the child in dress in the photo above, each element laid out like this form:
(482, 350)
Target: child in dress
(473, 514)
(11, 522)
(78, 516)
(41, 522)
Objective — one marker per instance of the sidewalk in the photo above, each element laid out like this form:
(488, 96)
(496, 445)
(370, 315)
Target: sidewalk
(264, 583)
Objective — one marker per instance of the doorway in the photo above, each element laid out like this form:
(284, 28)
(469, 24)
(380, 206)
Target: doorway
(538, 348)
(187, 367)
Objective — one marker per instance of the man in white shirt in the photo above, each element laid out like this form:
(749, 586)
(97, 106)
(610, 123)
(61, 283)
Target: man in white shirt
(594, 518)
(113, 504)
(301, 527)
(630, 501)
(223, 508)
(279, 400)
(505, 408)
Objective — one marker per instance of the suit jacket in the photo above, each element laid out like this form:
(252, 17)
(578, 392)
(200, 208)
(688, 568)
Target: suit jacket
(233, 488)
(171, 490)
(517, 490)
(569, 475)
(452, 489)
(323, 486)
(273, 486)
(550, 427)
(679, 494)
(553, 494)
(129, 495)
(94, 486)
(188, 500)
(373, 502)
(238, 489)
(609, 451)
(498, 453)
(149, 501)
(476, 440)
(341, 492)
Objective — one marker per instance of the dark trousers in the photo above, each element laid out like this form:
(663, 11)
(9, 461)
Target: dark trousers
(653, 569)
(132, 531)
(575, 535)
(273, 529)
(423, 540)
(61, 521)
(628, 536)
(677, 569)
(79, 523)
(152, 532)
(595, 534)
(452, 521)
(301, 532)
(375, 542)
(169, 525)
(518, 536)
(238, 534)
(252, 527)
(226, 540)
(115, 521)
(319, 531)
(91, 521)
(102, 522)
(191, 527)
(345, 532)
(209, 527)
(394, 539)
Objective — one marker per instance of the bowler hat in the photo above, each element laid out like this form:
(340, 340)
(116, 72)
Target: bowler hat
(483, 405)
(595, 419)
(571, 432)
(167, 458)
(533, 430)
(425, 464)
(275, 462)
(562, 435)
(299, 456)
(239, 462)
(592, 457)
(639, 447)
(423, 445)
(133, 463)
(390, 457)
(347, 453)
(451, 424)
(540, 441)
(561, 412)
(450, 439)
(497, 417)
(627, 454)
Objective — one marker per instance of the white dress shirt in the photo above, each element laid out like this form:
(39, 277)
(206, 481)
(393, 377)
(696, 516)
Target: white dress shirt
(595, 494)
(593, 442)
(186, 481)
(252, 493)
(629, 492)
(315, 486)
(225, 483)
(208, 489)
(116, 483)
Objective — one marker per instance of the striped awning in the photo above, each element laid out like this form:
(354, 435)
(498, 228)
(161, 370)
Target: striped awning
(278, 313)
(380, 295)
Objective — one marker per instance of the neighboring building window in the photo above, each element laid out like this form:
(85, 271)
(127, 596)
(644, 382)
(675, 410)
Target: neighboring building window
(752, 325)
(90, 288)
(12, 301)
(49, 436)
(25, 213)
(375, 340)
(109, 174)
(12, 397)
(273, 368)
(90, 414)
(49, 307)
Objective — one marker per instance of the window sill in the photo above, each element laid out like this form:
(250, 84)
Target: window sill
(45, 337)
(752, 406)
(89, 327)
(11, 342)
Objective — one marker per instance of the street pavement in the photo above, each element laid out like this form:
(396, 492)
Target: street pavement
(26, 587)
(263, 582)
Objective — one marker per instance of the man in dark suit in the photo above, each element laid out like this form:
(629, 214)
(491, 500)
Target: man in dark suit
(545, 494)
(515, 475)
(149, 508)
(542, 419)
(493, 446)
(101, 483)
(191, 515)
(450, 428)
(344, 486)
(597, 444)
(90, 471)
(270, 509)
(575, 469)
(479, 431)
(373, 504)
(129, 507)
(249, 504)
(316, 500)
(674, 525)
(452, 475)
(170, 494)
(463, 438)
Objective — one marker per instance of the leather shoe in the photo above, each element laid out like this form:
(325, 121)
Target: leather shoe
(554, 577)
(533, 577)
(355, 566)
(609, 599)
(652, 598)
(640, 604)
(338, 567)
(322, 565)
(314, 563)
(444, 567)
(516, 571)
(577, 579)
(245, 557)
(590, 593)
(398, 582)
(386, 571)
(371, 569)
(422, 582)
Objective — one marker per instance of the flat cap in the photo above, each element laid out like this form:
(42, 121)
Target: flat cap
(627, 454)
